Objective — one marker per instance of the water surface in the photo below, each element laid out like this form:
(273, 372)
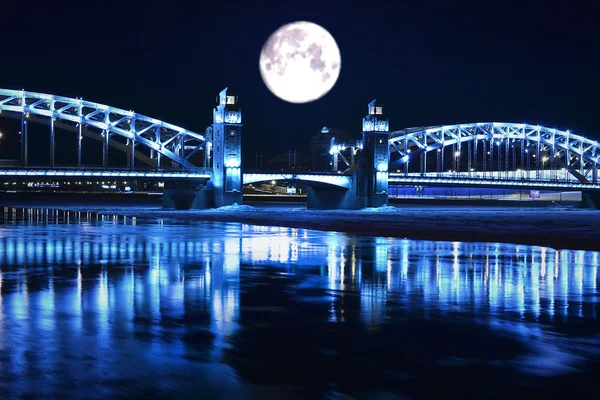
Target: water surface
(107, 307)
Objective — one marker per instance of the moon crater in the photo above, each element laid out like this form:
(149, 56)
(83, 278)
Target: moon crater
(300, 62)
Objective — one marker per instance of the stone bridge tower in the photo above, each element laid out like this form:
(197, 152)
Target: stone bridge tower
(227, 150)
(372, 182)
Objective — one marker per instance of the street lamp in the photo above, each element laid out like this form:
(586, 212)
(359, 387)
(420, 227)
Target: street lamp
(544, 159)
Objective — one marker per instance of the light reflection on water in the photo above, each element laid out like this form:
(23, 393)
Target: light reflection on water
(96, 305)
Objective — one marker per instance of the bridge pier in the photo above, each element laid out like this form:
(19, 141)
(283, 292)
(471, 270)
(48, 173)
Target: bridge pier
(52, 134)
(590, 200)
(24, 139)
(369, 185)
(227, 151)
(225, 186)
(328, 197)
(185, 195)
(372, 182)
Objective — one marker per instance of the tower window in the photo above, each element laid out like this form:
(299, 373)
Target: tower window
(230, 99)
(371, 110)
(378, 110)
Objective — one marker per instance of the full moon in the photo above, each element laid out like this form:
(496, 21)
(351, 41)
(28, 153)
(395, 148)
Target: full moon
(300, 62)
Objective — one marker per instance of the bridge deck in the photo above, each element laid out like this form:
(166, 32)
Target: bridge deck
(497, 183)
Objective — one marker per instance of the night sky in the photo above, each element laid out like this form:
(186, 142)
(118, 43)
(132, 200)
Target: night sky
(428, 64)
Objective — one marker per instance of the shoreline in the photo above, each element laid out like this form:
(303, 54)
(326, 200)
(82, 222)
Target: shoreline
(572, 229)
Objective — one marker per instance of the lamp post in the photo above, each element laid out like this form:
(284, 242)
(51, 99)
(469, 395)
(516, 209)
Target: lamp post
(544, 159)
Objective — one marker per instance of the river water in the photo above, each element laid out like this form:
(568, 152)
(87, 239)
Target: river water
(110, 307)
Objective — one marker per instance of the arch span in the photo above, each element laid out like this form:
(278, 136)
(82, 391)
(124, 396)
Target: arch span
(576, 149)
(166, 139)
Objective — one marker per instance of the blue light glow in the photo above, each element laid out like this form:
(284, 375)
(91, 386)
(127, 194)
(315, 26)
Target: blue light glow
(382, 167)
(97, 116)
(232, 163)
(233, 117)
(375, 125)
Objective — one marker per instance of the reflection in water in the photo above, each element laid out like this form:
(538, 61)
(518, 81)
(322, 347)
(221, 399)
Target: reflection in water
(114, 303)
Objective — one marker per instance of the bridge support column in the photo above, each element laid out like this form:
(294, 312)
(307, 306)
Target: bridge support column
(208, 135)
(227, 151)
(595, 174)
(590, 200)
(332, 198)
(374, 160)
(79, 137)
(184, 195)
(23, 139)
(52, 141)
(158, 153)
(132, 155)
(334, 164)
(106, 135)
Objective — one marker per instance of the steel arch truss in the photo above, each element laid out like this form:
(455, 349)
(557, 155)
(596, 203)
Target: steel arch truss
(413, 141)
(173, 142)
(337, 151)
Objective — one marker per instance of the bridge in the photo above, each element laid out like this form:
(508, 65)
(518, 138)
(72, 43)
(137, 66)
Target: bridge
(204, 169)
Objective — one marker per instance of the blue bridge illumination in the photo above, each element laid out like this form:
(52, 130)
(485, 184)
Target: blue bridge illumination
(481, 154)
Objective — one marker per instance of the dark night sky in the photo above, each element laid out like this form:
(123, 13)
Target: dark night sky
(429, 64)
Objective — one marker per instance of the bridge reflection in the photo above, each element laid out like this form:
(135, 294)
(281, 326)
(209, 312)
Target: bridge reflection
(99, 298)
(70, 269)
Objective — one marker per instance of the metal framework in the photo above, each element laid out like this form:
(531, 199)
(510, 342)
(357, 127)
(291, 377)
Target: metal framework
(536, 144)
(337, 151)
(161, 138)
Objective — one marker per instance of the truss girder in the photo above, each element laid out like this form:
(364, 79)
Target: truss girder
(154, 134)
(426, 139)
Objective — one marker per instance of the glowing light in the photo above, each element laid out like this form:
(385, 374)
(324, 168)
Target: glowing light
(375, 125)
(233, 117)
(232, 163)
(382, 167)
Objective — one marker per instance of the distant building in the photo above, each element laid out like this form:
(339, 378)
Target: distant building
(283, 161)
